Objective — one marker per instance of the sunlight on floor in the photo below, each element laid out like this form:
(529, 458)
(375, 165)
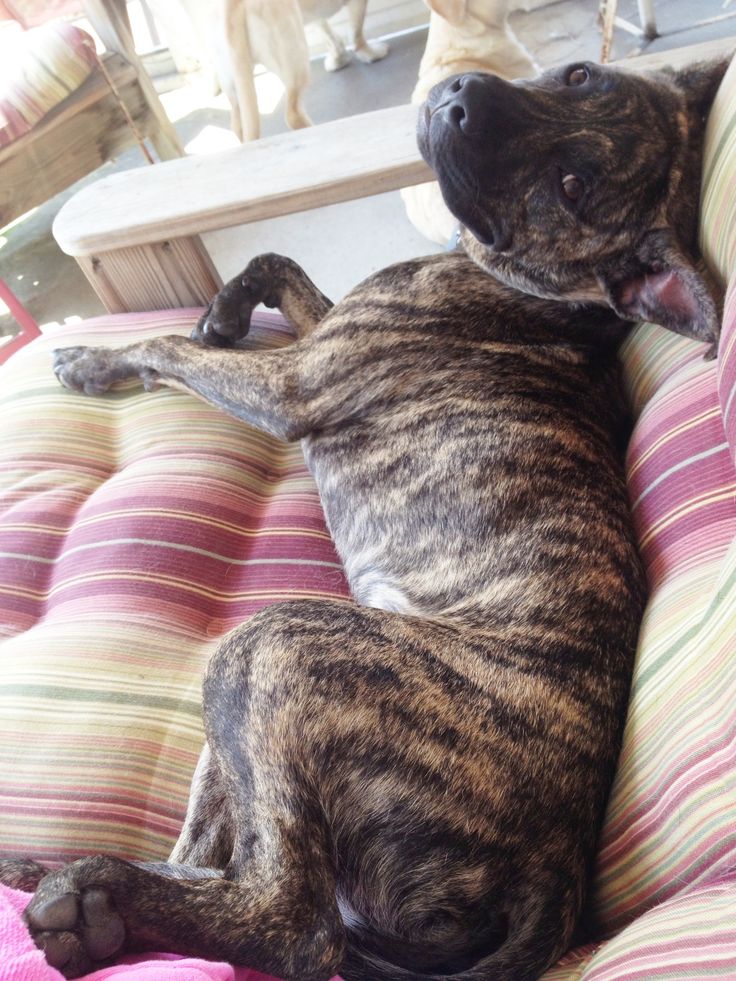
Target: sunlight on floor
(270, 90)
(211, 139)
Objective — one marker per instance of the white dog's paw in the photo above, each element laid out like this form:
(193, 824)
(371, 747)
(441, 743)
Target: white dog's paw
(335, 60)
(371, 51)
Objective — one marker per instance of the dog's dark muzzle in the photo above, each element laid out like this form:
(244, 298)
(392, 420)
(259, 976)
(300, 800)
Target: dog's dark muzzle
(475, 108)
(467, 120)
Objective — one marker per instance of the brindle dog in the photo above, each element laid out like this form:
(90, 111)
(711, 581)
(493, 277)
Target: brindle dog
(412, 786)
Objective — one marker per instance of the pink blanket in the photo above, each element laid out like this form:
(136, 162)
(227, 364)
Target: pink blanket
(21, 961)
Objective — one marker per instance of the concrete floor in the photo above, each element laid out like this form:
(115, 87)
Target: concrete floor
(342, 244)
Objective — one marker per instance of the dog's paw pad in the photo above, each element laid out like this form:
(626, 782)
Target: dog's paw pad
(213, 332)
(64, 951)
(74, 928)
(103, 930)
(55, 913)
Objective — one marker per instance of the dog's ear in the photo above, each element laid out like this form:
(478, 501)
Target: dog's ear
(663, 287)
(453, 11)
(699, 83)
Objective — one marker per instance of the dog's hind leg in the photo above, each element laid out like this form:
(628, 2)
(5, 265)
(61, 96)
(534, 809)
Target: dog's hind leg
(275, 909)
(206, 838)
(278, 914)
(273, 280)
(21, 873)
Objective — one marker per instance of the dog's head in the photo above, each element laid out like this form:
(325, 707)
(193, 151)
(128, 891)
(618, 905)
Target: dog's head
(581, 185)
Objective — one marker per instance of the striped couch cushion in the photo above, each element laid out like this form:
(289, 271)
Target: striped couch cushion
(665, 886)
(41, 68)
(138, 528)
(135, 530)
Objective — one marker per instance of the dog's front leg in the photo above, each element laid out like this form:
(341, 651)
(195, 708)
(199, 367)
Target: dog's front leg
(273, 280)
(262, 387)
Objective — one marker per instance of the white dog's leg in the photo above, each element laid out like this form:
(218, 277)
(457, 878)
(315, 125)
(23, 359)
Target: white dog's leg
(337, 54)
(296, 114)
(277, 41)
(235, 70)
(364, 50)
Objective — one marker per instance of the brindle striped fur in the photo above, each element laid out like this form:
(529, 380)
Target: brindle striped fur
(410, 786)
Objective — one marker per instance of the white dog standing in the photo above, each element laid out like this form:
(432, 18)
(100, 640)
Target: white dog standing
(464, 36)
(272, 32)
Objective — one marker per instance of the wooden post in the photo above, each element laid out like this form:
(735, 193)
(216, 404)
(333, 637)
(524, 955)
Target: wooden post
(109, 18)
(648, 19)
(607, 14)
(177, 272)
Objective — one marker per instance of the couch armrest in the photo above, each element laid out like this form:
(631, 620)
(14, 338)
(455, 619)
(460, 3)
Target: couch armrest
(136, 234)
(125, 226)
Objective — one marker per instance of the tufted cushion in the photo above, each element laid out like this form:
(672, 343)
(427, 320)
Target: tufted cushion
(41, 68)
(135, 530)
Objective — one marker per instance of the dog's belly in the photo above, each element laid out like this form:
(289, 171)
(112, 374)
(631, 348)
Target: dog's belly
(490, 499)
(319, 9)
(460, 465)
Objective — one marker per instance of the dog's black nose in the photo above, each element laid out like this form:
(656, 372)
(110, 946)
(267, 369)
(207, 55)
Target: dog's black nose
(467, 104)
(473, 103)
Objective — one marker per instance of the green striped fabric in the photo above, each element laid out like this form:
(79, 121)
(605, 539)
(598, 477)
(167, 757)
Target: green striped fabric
(718, 199)
(135, 530)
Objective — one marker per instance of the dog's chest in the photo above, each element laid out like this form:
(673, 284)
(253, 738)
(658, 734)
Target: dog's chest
(441, 493)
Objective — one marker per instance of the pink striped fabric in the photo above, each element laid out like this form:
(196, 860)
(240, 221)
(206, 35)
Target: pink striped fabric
(727, 370)
(679, 498)
(135, 530)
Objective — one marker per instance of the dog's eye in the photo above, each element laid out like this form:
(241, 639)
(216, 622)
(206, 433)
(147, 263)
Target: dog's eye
(578, 75)
(572, 187)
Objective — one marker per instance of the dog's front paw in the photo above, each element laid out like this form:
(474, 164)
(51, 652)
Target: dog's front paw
(227, 319)
(73, 918)
(89, 369)
(214, 330)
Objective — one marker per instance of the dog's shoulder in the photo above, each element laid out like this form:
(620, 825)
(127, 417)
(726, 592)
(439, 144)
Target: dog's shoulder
(450, 293)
